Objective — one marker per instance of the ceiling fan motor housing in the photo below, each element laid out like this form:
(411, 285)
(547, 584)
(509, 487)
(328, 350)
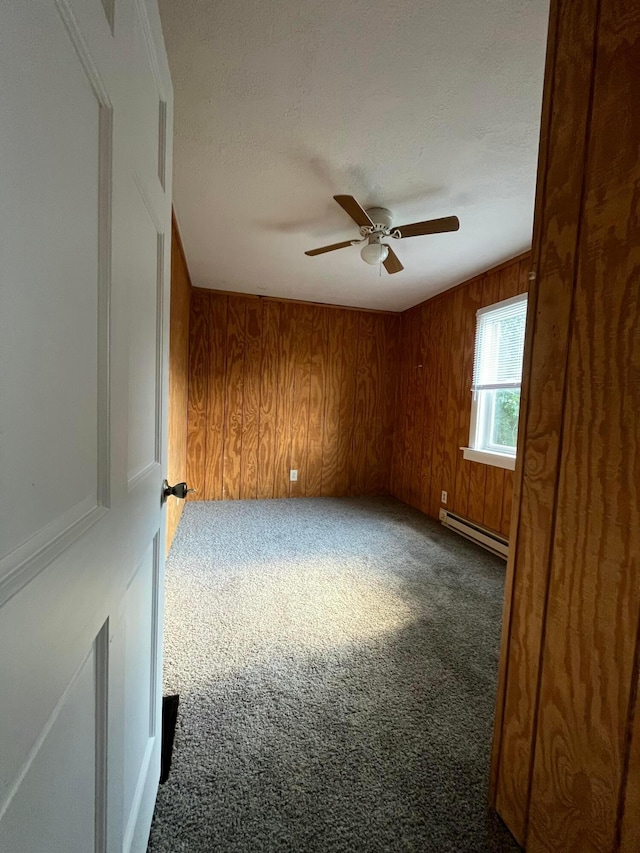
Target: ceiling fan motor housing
(380, 216)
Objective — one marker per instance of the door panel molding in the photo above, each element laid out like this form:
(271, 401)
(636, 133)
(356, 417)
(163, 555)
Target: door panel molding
(153, 208)
(141, 784)
(141, 609)
(150, 45)
(29, 558)
(84, 54)
(148, 471)
(160, 288)
(24, 563)
(101, 671)
(153, 205)
(105, 183)
(35, 749)
(156, 639)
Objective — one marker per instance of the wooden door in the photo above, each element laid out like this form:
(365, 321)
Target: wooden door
(85, 181)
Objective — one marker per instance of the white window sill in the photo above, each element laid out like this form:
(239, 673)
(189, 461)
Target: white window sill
(499, 460)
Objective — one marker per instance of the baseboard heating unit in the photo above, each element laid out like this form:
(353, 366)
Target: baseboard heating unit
(493, 542)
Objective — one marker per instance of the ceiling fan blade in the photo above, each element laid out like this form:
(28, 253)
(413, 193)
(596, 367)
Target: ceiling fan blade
(391, 262)
(351, 206)
(330, 248)
(430, 226)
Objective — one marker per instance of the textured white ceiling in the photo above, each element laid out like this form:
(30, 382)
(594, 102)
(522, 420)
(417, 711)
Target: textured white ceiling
(427, 107)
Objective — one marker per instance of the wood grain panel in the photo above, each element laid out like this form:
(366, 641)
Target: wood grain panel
(364, 428)
(430, 400)
(284, 385)
(410, 368)
(284, 405)
(569, 89)
(442, 335)
(198, 393)
(268, 399)
(389, 329)
(432, 383)
(397, 459)
(413, 447)
(380, 443)
(378, 406)
(477, 486)
(416, 373)
(417, 390)
(493, 498)
(525, 275)
(348, 355)
(331, 431)
(216, 319)
(509, 282)
(234, 398)
(357, 461)
(589, 654)
(372, 352)
(251, 400)
(302, 318)
(455, 399)
(178, 378)
(317, 385)
(507, 502)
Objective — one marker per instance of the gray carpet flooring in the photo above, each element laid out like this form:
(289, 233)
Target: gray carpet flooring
(336, 662)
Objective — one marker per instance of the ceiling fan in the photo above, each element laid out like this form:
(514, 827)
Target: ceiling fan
(375, 224)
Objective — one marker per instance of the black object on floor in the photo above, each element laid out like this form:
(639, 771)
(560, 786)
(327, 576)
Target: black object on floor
(169, 719)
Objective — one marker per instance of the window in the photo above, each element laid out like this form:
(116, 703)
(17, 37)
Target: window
(497, 374)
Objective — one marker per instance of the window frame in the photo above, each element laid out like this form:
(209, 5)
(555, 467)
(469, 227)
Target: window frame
(491, 454)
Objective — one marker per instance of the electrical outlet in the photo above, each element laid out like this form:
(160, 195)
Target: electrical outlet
(293, 475)
(442, 514)
(443, 497)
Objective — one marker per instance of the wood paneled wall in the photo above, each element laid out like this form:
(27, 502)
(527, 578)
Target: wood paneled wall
(178, 377)
(276, 385)
(566, 769)
(434, 376)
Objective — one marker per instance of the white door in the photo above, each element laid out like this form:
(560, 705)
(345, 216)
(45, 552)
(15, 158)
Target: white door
(85, 189)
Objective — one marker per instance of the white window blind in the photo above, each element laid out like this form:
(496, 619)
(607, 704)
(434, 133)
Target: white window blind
(499, 345)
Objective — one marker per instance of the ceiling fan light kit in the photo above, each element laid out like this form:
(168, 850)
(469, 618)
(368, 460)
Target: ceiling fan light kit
(374, 252)
(376, 224)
